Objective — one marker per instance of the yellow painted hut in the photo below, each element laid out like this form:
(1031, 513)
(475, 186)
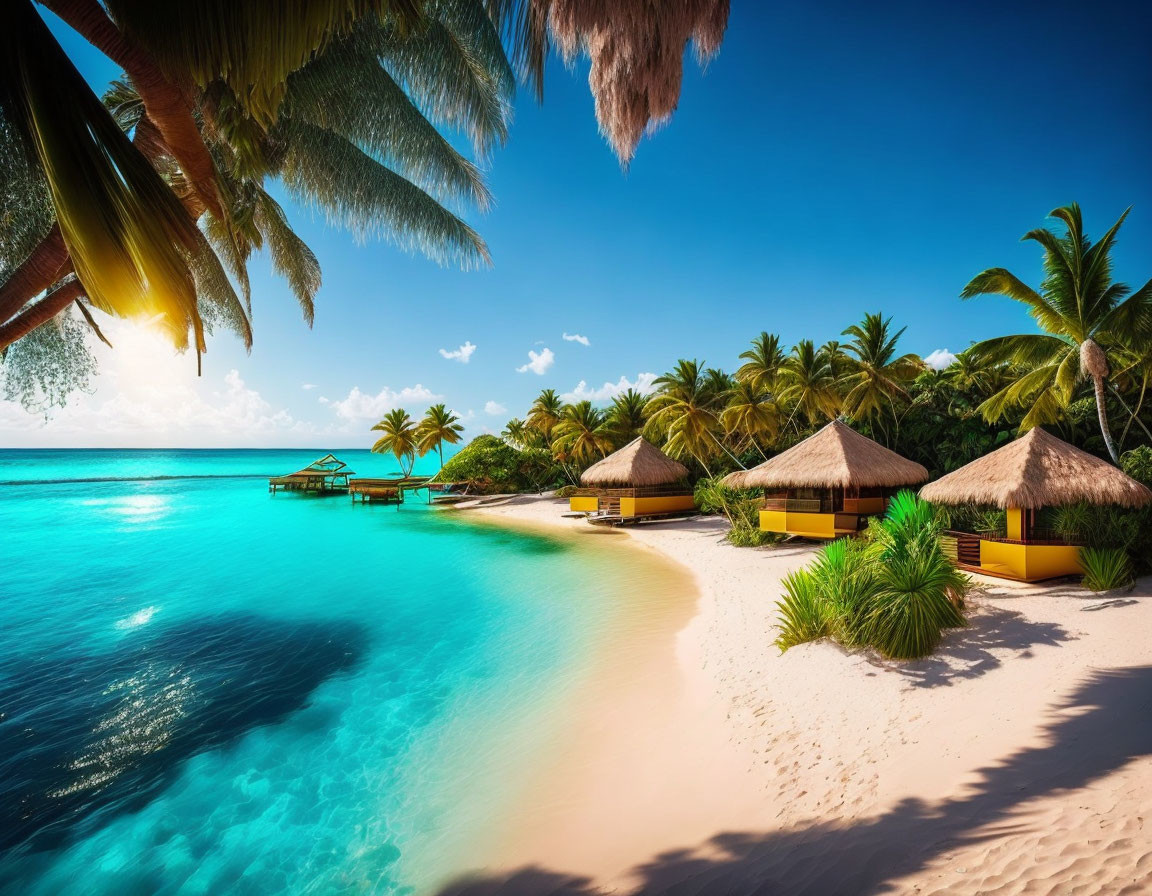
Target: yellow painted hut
(829, 484)
(1035, 471)
(635, 482)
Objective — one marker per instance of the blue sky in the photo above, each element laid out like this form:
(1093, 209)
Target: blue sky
(830, 161)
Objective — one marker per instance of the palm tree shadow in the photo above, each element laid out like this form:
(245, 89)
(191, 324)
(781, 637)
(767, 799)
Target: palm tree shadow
(1100, 728)
(970, 652)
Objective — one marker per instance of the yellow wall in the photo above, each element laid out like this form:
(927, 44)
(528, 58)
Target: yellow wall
(1031, 562)
(811, 525)
(583, 503)
(1015, 523)
(664, 504)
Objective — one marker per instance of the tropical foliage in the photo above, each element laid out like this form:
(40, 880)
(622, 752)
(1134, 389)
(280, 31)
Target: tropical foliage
(150, 204)
(401, 439)
(894, 591)
(490, 465)
(1106, 568)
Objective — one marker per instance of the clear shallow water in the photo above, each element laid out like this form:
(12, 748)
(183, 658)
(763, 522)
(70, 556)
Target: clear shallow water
(207, 689)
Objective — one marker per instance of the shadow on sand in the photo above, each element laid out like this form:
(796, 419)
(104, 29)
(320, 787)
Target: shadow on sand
(1105, 724)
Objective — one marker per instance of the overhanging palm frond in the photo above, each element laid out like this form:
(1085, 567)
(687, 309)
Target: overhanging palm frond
(1025, 350)
(217, 300)
(290, 255)
(455, 69)
(127, 234)
(253, 45)
(346, 90)
(323, 169)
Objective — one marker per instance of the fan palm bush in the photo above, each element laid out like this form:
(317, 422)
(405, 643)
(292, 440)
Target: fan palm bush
(894, 591)
(1106, 568)
(740, 506)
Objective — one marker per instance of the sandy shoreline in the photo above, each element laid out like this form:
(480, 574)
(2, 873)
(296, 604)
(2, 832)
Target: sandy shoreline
(1018, 759)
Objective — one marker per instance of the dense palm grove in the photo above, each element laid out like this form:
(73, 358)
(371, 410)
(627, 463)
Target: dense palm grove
(1085, 376)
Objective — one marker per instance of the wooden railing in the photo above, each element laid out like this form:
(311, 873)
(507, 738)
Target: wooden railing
(1035, 536)
(799, 505)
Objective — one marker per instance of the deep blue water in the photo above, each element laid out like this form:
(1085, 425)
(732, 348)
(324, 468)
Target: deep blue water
(208, 689)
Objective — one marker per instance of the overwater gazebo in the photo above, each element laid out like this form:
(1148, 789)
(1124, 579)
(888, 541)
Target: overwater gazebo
(638, 481)
(325, 475)
(1035, 471)
(829, 484)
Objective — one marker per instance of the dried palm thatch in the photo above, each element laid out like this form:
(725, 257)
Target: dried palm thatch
(637, 464)
(637, 51)
(1037, 470)
(835, 457)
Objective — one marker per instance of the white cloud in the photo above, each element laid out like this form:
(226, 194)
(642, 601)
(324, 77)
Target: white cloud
(363, 406)
(462, 354)
(494, 408)
(308, 386)
(608, 391)
(576, 337)
(940, 359)
(538, 363)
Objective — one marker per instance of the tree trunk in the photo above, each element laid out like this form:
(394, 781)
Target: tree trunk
(1102, 413)
(169, 104)
(46, 264)
(40, 313)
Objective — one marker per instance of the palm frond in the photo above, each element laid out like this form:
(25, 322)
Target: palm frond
(291, 257)
(323, 169)
(127, 234)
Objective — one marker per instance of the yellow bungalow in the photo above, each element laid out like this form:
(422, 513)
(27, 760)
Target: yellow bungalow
(829, 484)
(1037, 470)
(637, 482)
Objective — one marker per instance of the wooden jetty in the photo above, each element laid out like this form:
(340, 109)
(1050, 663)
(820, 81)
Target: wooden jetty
(328, 475)
(392, 491)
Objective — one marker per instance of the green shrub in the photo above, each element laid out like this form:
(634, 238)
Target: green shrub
(803, 611)
(1137, 463)
(894, 591)
(1106, 568)
(742, 508)
(567, 491)
(490, 466)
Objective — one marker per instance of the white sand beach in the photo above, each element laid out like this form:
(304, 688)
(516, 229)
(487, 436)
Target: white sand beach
(1018, 759)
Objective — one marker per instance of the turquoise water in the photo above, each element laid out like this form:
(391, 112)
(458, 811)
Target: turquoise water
(208, 689)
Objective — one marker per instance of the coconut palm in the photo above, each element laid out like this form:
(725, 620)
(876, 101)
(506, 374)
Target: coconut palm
(580, 435)
(682, 414)
(751, 415)
(519, 435)
(876, 377)
(809, 383)
(545, 413)
(627, 415)
(438, 426)
(762, 363)
(323, 110)
(400, 439)
(1085, 317)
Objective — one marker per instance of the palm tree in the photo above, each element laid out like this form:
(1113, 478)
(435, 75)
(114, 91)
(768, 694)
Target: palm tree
(751, 415)
(810, 384)
(876, 376)
(113, 221)
(762, 363)
(581, 434)
(1083, 314)
(519, 435)
(545, 413)
(627, 416)
(438, 426)
(682, 414)
(400, 439)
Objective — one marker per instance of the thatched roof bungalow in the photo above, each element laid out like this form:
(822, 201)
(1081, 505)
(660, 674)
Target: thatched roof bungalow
(829, 484)
(638, 481)
(1035, 471)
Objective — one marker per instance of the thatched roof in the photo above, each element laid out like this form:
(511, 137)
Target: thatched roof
(1037, 470)
(835, 457)
(639, 463)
